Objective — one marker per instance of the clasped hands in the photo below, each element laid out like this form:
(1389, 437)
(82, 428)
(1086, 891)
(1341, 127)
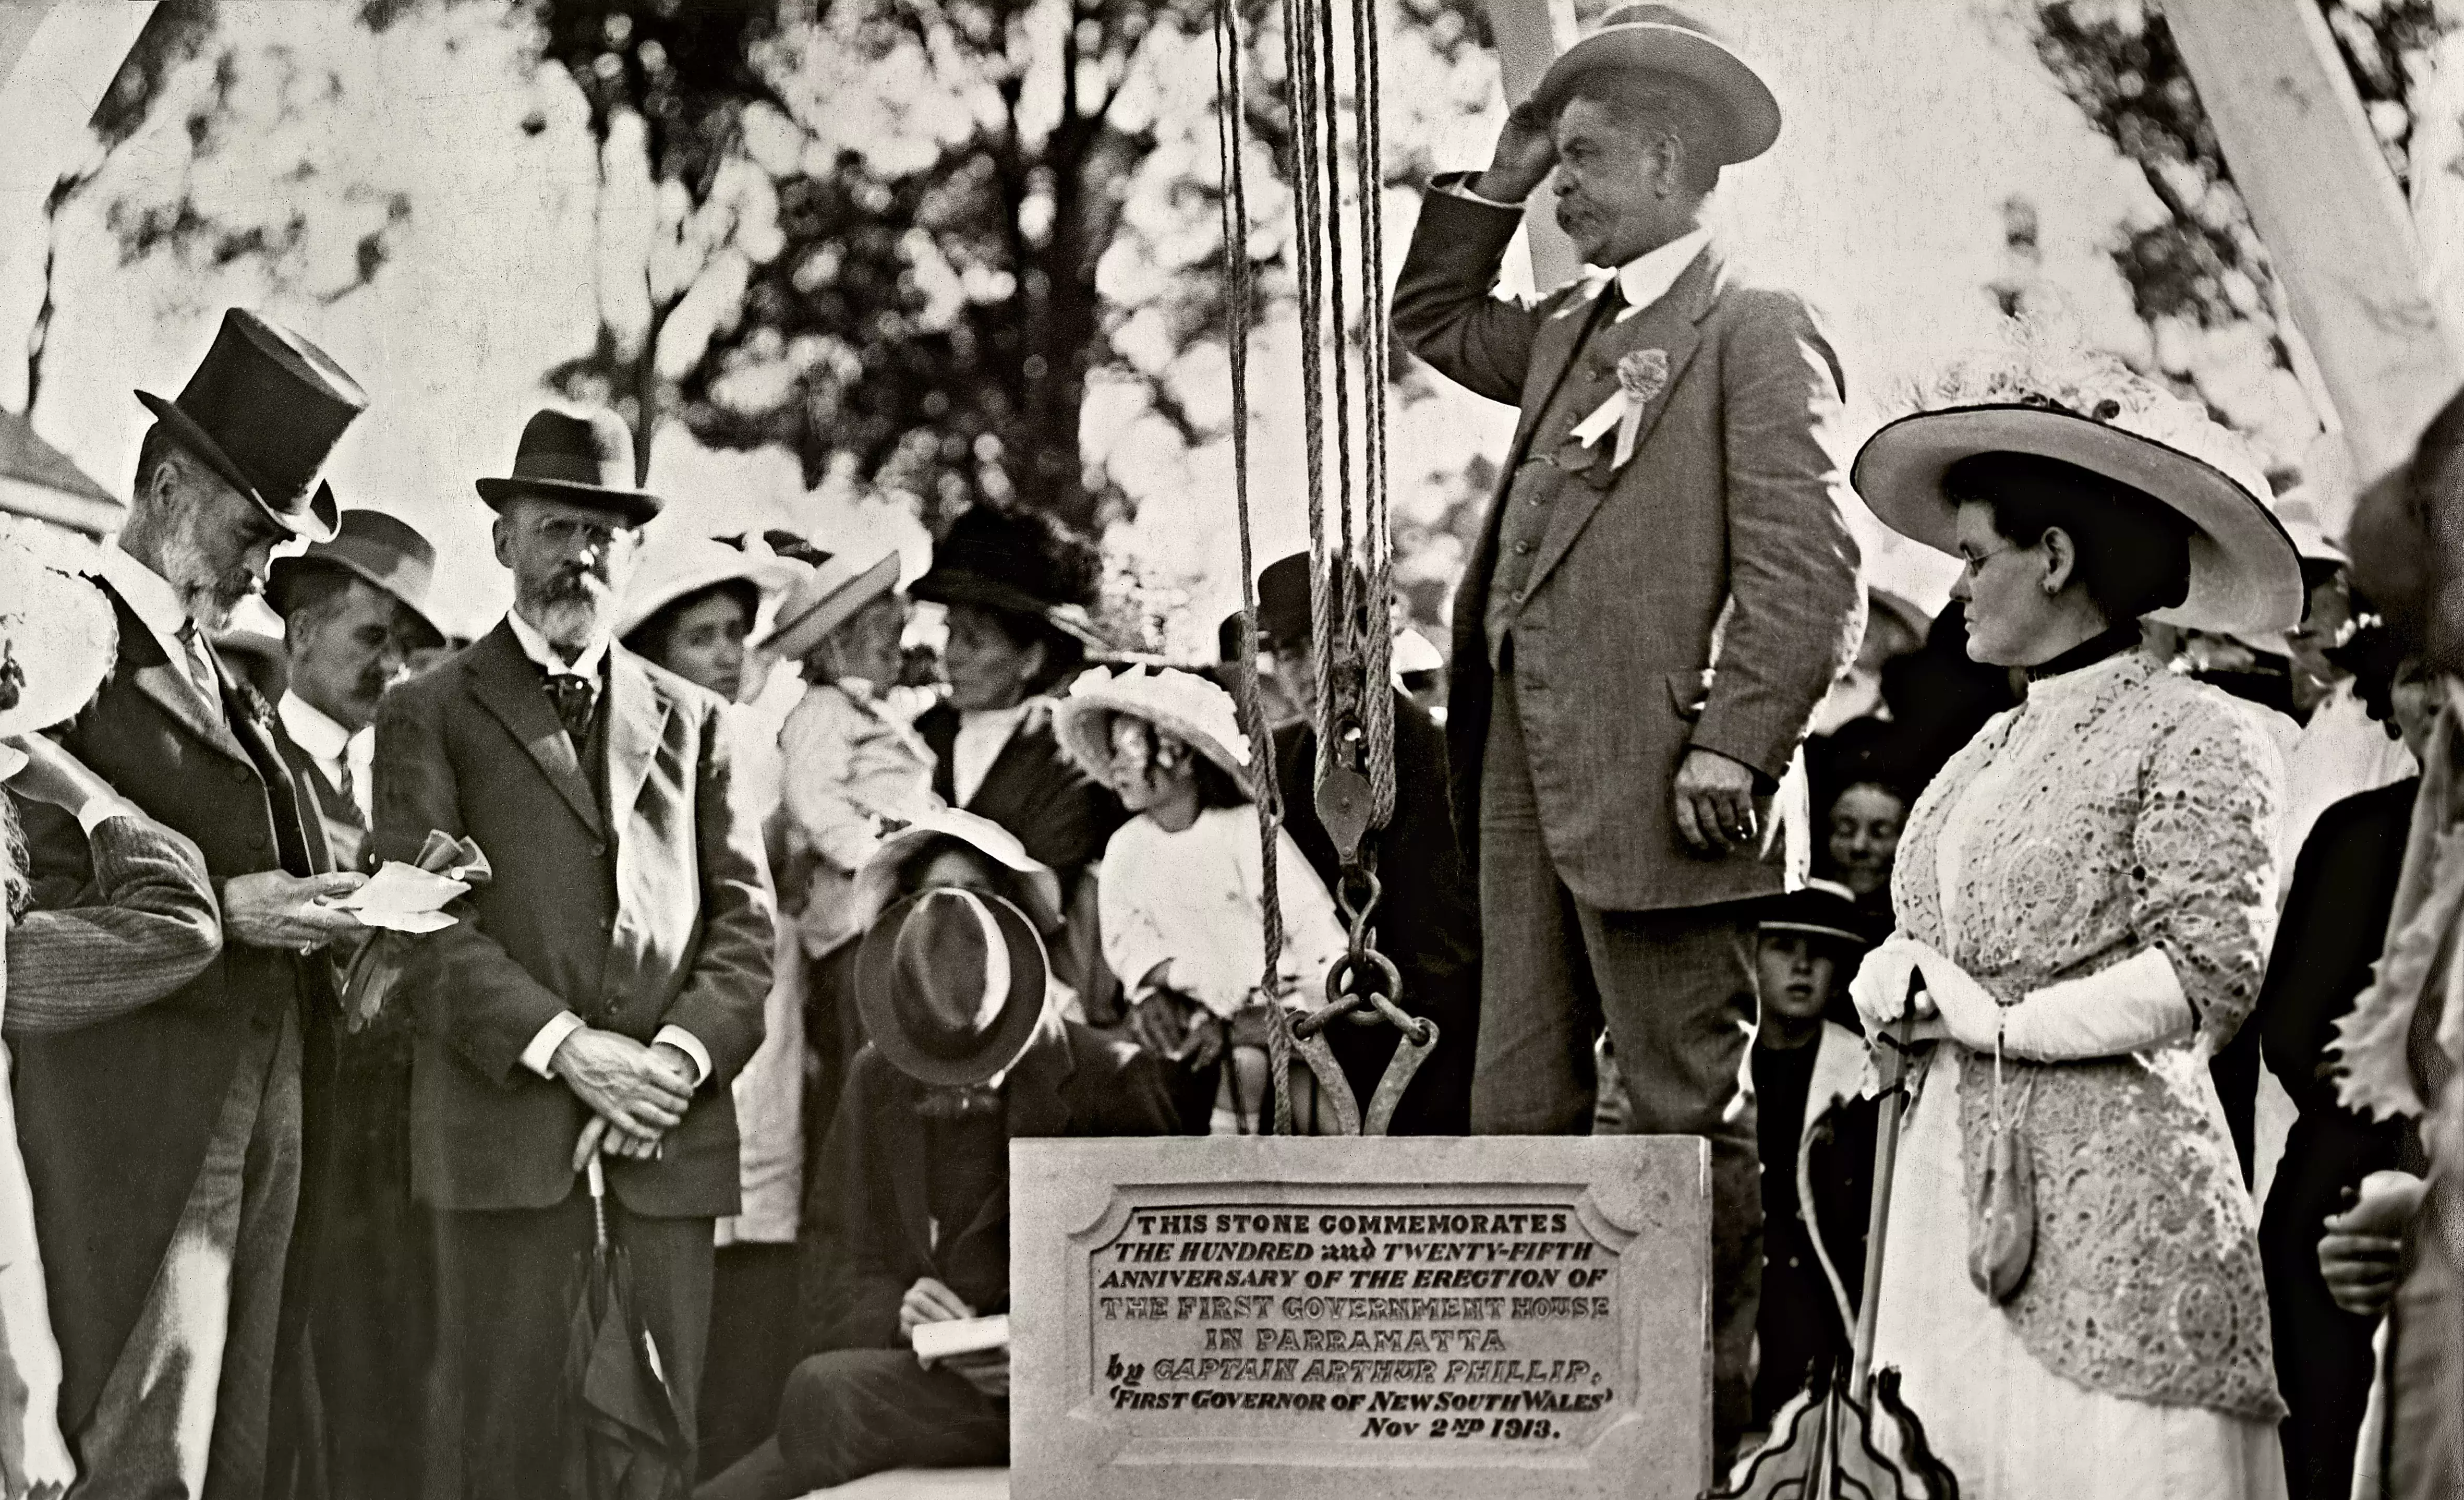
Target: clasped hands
(1946, 1001)
(929, 1301)
(636, 1092)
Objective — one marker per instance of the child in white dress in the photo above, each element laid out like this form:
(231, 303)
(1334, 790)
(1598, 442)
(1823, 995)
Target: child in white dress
(1180, 893)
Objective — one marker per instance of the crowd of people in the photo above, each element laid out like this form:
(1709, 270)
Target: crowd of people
(740, 936)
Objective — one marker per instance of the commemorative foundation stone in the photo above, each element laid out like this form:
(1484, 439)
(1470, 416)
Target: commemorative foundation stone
(1246, 1318)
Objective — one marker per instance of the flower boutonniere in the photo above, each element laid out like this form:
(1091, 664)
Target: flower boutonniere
(1641, 376)
(254, 704)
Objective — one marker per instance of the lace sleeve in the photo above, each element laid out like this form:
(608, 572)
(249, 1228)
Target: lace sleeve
(2204, 872)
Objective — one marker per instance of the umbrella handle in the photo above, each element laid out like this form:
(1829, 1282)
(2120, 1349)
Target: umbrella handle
(597, 1177)
(1891, 1068)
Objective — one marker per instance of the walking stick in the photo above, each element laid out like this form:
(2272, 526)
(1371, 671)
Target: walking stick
(1891, 1068)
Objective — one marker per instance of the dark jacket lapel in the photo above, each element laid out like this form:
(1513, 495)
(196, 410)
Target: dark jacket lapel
(507, 685)
(167, 683)
(901, 1140)
(1672, 324)
(282, 787)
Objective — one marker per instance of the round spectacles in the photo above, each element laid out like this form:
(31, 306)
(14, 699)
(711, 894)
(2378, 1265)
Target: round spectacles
(1973, 563)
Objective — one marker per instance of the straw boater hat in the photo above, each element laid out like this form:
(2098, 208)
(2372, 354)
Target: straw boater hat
(876, 883)
(950, 986)
(579, 457)
(2090, 411)
(681, 565)
(382, 551)
(1180, 703)
(264, 410)
(824, 598)
(1661, 38)
(60, 630)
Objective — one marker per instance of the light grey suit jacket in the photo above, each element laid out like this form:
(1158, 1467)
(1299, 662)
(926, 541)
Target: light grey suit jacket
(1734, 500)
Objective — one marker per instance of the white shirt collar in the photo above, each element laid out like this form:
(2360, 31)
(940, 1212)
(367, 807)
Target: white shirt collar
(150, 595)
(1647, 277)
(535, 646)
(314, 730)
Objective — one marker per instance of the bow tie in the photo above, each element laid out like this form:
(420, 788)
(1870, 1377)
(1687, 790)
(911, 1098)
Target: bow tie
(957, 1104)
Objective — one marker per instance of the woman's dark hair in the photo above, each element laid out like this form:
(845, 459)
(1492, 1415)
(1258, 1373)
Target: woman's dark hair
(1064, 653)
(996, 877)
(1216, 787)
(650, 638)
(2133, 549)
(2375, 655)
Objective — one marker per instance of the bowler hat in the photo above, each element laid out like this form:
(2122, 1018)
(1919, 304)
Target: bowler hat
(579, 457)
(1017, 565)
(381, 550)
(264, 410)
(1661, 38)
(951, 984)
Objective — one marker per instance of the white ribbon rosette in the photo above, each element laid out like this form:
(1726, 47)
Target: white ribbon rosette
(1641, 376)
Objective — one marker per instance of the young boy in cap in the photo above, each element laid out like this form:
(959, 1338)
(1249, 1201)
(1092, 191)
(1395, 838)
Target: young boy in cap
(1811, 1133)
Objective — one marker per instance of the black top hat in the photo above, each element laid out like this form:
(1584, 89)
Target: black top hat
(1019, 565)
(264, 410)
(383, 550)
(581, 458)
(950, 986)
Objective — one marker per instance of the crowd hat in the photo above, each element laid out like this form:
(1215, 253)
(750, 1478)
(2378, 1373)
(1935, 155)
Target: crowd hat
(579, 457)
(1820, 909)
(264, 410)
(2090, 411)
(1017, 565)
(950, 986)
(876, 883)
(681, 565)
(1663, 39)
(825, 597)
(37, 480)
(1180, 703)
(383, 551)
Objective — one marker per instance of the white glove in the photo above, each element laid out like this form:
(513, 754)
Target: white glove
(1971, 1015)
(2125, 1007)
(1880, 990)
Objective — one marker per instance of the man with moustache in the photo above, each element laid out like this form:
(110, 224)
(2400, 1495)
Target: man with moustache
(164, 1146)
(599, 995)
(1664, 589)
(354, 608)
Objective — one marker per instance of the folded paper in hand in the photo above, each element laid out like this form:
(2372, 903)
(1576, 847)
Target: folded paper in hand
(406, 901)
(959, 1335)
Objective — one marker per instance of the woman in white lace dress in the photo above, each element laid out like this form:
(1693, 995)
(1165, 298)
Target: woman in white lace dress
(2086, 893)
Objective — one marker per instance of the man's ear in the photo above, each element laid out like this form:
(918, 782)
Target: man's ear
(500, 534)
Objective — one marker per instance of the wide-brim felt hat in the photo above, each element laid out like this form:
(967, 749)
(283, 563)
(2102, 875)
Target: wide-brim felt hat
(580, 458)
(824, 598)
(1180, 703)
(973, 951)
(876, 883)
(1015, 564)
(1663, 39)
(681, 565)
(381, 550)
(1818, 909)
(264, 410)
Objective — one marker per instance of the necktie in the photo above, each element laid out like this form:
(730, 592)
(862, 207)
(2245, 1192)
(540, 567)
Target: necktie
(200, 665)
(343, 781)
(574, 697)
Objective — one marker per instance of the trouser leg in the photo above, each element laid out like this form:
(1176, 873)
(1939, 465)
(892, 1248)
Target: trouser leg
(1677, 991)
(854, 1412)
(1534, 1072)
(269, 1200)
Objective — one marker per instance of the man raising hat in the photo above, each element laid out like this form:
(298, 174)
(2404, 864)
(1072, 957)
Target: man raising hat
(1664, 589)
(600, 994)
(164, 1146)
(354, 607)
(965, 1056)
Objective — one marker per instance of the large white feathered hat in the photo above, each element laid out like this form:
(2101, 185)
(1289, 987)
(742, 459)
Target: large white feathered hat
(2091, 410)
(1180, 703)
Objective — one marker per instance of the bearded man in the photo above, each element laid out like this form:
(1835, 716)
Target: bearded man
(164, 1145)
(599, 995)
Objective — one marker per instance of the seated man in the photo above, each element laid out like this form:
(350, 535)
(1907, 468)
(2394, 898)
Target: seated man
(965, 1055)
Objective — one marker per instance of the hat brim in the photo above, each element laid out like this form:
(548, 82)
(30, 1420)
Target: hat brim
(1751, 112)
(876, 883)
(793, 638)
(63, 635)
(1082, 719)
(2245, 576)
(1812, 929)
(957, 587)
(316, 522)
(1004, 1042)
(636, 507)
(285, 572)
(767, 575)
